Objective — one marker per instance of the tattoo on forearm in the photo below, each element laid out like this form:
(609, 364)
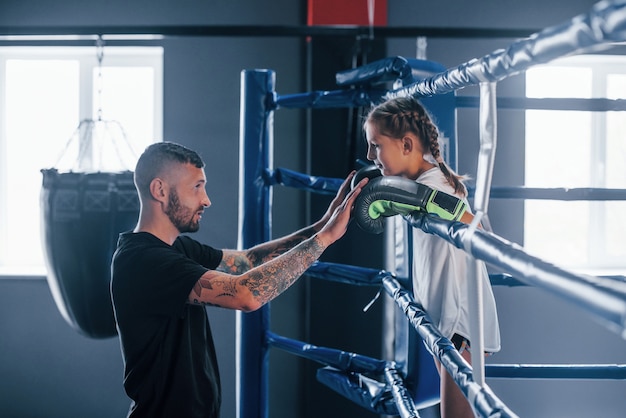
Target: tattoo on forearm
(264, 283)
(199, 302)
(275, 277)
(228, 286)
(270, 250)
(235, 265)
(201, 284)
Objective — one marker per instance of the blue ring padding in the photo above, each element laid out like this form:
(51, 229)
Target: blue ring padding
(421, 69)
(557, 371)
(328, 99)
(339, 359)
(377, 72)
(484, 402)
(344, 273)
(363, 276)
(343, 375)
(364, 94)
(363, 77)
(328, 185)
(601, 296)
(290, 178)
(605, 22)
(368, 393)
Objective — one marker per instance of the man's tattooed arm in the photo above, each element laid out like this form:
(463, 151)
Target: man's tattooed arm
(247, 280)
(238, 262)
(254, 288)
(280, 273)
(266, 251)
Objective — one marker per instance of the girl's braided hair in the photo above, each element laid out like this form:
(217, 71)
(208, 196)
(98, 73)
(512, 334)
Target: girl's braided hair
(395, 117)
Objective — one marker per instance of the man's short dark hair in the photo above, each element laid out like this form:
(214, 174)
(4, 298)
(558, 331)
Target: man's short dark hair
(160, 156)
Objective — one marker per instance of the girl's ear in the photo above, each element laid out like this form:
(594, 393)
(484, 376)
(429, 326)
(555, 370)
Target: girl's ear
(407, 144)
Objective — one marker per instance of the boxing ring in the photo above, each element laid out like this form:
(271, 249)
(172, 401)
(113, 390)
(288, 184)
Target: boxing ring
(603, 298)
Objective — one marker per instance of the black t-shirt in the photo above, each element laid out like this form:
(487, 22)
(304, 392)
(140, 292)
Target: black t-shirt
(170, 366)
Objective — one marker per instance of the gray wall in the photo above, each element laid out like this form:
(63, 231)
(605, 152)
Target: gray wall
(49, 370)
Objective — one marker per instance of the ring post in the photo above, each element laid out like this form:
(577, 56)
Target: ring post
(255, 156)
(486, 160)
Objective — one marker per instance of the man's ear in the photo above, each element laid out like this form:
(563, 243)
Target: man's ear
(158, 189)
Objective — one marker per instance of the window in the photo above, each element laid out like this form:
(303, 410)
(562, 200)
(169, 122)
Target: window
(577, 149)
(44, 93)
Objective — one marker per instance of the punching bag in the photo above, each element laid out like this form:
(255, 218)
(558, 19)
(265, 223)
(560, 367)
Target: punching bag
(82, 216)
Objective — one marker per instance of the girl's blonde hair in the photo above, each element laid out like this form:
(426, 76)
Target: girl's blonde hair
(395, 117)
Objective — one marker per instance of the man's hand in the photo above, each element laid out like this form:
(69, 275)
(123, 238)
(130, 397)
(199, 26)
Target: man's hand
(337, 200)
(337, 224)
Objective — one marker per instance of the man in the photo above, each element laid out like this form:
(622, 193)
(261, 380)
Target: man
(161, 281)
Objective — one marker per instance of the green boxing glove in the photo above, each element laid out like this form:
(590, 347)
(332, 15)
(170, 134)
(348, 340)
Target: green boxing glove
(389, 196)
(387, 208)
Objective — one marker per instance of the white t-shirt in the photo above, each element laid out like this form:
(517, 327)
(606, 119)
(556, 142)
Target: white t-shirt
(440, 279)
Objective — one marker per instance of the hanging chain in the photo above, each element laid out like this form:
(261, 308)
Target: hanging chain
(420, 47)
(100, 55)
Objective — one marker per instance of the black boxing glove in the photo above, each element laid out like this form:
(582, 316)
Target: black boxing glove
(389, 196)
(370, 171)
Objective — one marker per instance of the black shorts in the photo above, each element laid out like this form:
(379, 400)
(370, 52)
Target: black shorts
(460, 343)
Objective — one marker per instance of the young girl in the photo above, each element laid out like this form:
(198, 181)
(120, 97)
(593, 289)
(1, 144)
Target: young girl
(402, 141)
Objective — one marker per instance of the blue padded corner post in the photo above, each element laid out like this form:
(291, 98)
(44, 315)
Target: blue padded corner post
(255, 156)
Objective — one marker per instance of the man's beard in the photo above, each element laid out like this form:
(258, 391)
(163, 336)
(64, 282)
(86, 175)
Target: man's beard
(181, 217)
